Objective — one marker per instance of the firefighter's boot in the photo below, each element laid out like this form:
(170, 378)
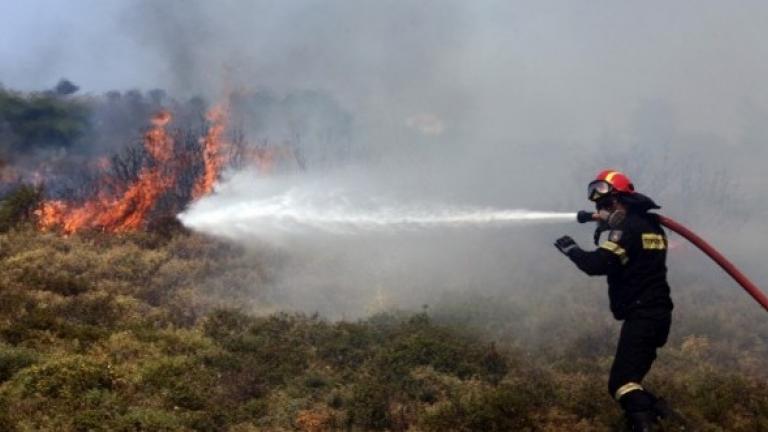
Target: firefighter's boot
(642, 421)
(666, 413)
(638, 406)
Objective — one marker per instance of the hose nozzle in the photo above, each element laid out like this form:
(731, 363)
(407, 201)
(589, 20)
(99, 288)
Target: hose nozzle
(584, 216)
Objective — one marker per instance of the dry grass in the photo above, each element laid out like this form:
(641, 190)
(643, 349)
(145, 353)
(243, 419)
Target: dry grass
(138, 332)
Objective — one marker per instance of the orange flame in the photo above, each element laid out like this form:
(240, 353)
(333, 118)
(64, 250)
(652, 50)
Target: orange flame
(130, 208)
(214, 149)
(129, 211)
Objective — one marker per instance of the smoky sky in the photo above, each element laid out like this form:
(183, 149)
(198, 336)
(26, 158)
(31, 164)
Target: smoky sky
(541, 69)
(498, 75)
(501, 103)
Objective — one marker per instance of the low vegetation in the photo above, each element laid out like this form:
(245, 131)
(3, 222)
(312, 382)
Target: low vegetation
(139, 333)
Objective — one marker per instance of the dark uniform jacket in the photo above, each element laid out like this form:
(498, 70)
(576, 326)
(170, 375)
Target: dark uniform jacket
(634, 259)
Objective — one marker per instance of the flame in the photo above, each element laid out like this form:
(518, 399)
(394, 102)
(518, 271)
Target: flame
(214, 148)
(127, 207)
(127, 212)
(51, 213)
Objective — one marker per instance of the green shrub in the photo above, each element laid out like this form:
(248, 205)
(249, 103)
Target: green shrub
(48, 269)
(370, 404)
(181, 380)
(65, 378)
(19, 206)
(7, 422)
(92, 420)
(150, 419)
(29, 324)
(347, 345)
(486, 409)
(13, 360)
(418, 342)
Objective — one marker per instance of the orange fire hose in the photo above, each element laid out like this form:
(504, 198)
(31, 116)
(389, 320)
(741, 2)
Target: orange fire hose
(717, 257)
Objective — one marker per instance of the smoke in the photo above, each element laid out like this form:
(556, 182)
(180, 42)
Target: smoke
(502, 105)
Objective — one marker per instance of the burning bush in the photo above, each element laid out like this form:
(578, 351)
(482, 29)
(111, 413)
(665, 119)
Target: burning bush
(95, 177)
(146, 187)
(127, 210)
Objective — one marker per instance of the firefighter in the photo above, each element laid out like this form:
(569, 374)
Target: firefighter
(633, 257)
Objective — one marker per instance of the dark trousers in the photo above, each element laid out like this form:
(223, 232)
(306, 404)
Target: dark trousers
(641, 335)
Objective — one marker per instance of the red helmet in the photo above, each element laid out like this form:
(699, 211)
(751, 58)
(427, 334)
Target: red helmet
(609, 182)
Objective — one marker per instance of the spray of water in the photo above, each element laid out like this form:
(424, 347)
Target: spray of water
(305, 210)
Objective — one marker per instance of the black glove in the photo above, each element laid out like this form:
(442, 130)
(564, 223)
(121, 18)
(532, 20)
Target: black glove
(584, 216)
(565, 244)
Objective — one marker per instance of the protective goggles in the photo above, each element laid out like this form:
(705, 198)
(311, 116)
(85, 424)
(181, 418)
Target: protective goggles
(598, 189)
